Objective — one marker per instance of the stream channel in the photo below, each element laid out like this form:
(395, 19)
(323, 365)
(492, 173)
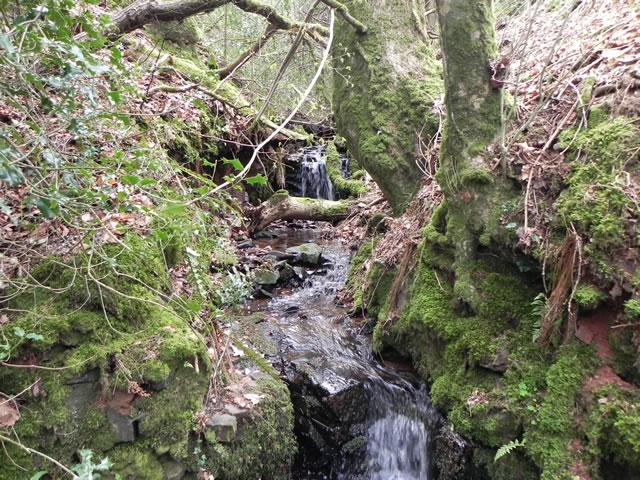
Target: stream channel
(356, 419)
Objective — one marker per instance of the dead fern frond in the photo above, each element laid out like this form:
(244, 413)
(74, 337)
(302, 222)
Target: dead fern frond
(567, 274)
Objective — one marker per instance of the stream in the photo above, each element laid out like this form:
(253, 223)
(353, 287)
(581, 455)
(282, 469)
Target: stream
(356, 419)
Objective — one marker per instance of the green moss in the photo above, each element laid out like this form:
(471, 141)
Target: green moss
(265, 446)
(135, 461)
(632, 309)
(353, 188)
(588, 297)
(554, 426)
(593, 201)
(383, 98)
(96, 335)
(358, 273)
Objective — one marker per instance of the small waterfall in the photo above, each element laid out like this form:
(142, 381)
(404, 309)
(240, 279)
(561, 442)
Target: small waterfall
(394, 420)
(311, 179)
(402, 421)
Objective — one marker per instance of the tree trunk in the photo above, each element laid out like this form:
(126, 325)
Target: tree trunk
(473, 122)
(283, 207)
(384, 85)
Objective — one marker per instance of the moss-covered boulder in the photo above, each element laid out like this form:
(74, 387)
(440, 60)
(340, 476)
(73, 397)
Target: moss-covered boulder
(384, 87)
(111, 364)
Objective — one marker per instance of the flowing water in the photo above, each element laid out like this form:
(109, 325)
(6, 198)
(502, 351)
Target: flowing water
(319, 340)
(310, 179)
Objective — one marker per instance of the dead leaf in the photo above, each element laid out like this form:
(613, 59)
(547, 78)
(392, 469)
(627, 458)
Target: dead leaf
(9, 413)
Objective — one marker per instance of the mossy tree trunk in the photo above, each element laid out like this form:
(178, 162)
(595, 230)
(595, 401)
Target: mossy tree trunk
(473, 122)
(385, 81)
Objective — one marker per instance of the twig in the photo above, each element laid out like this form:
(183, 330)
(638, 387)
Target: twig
(36, 452)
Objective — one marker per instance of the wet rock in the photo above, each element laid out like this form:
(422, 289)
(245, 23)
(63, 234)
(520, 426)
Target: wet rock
(279, 256)
(498, 362)
(300, 272)
(292, 309)
(223, 427)
(265, 277)
(453, 456)
(307, 253)
(286, 272)
(88, 376)
(246, 244)
(122, 425)
(264, 235)
(261, 292)
(173, 470)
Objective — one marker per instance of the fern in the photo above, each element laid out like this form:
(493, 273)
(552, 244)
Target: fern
(507, 448)
(537, 309)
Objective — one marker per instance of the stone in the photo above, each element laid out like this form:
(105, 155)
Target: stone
(223, 427)
(266, 277)
(122, 425)
(246, 244)
(88, 376)
(286, 273)
(264, 235)
(498, 362)
(307, 253)
(172, 470)
(279, 256)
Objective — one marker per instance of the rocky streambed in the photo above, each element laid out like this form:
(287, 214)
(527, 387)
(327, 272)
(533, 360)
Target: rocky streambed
(356, 417)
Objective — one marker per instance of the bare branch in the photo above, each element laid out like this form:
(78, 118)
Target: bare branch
(144, 12)
(344, 11)
(250, 52)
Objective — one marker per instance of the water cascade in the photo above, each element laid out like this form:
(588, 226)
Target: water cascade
(308, 177)
(356, 418)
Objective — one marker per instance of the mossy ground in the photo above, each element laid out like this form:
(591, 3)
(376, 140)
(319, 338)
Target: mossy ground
(110, 325)
(538, 398)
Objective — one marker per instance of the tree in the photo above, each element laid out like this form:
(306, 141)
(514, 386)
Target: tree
(385, 86)
(473, 121)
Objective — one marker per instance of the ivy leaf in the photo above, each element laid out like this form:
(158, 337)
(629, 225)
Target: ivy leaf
(49, 208)
(234, 162)
(130, 179)
(11, 175)
(258, 179)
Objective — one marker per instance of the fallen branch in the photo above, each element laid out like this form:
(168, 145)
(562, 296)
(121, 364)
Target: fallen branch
(281, 206)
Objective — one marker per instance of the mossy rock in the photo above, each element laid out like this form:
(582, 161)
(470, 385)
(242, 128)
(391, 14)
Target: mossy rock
(100, 333)
(264, 445)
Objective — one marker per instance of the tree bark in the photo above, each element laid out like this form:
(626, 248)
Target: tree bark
(473, 122)
(384, 86)
(283, 207)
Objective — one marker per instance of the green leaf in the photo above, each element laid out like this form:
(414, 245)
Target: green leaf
(121, 196)
(234, 162)
(130, 179)
(34, 336)
(173, 209)
(258, 179)
(114, 96)
(11, 175)
(160, 235)
(19, 332)
(49, 208)
(147, 181)
(38, 475)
